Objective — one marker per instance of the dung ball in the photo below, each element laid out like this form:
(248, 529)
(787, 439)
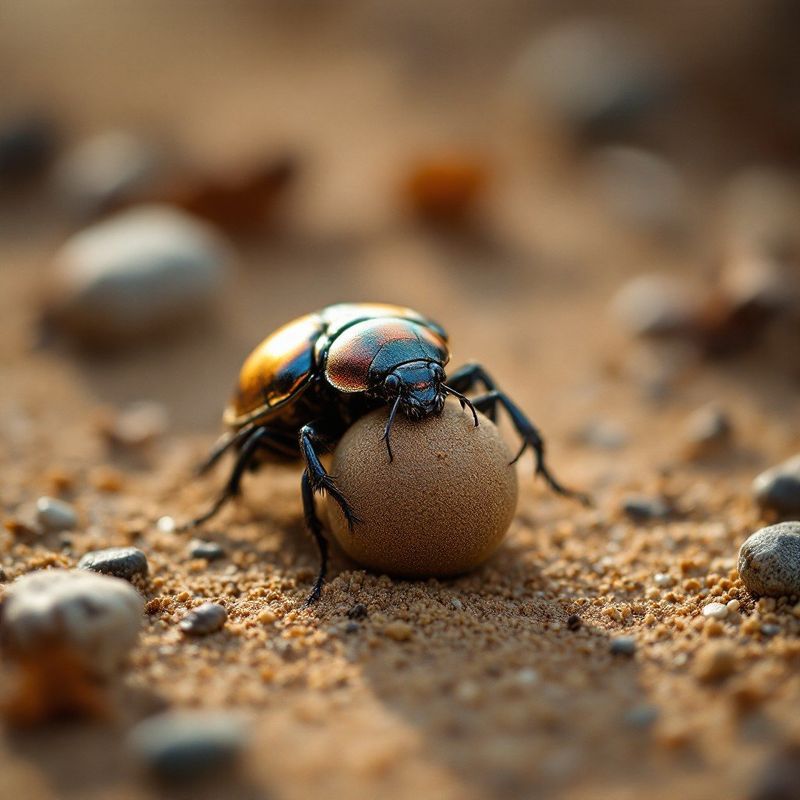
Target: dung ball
(440, 508)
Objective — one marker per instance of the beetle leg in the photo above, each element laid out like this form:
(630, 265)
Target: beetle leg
(315, 529)
(467, 377)
(251, 444)
(319, 478)
(221, 446)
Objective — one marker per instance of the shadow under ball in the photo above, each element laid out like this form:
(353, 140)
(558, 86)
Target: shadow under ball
(440, 508)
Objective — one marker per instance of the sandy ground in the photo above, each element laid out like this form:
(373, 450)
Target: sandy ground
(491, 694)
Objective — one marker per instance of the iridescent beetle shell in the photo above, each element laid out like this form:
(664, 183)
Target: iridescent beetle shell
(341, 344)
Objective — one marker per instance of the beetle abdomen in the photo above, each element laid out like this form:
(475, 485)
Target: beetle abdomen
(276, 370)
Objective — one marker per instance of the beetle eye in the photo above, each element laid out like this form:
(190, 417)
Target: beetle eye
(438, 372)
(392, 383)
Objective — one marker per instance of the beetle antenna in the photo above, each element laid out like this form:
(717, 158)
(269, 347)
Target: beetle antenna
(465, 401)
(388, 429)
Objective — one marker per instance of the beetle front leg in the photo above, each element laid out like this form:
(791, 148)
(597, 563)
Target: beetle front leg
(465, 378)
(315, 529)
(319, 478)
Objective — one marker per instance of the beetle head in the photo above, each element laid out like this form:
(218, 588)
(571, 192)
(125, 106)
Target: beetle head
(417, 387)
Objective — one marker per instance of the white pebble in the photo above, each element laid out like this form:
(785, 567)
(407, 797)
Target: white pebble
(96, 618)
(663, 580)
(55, 515)
(715, 611)
(166, 524)
(733, 606)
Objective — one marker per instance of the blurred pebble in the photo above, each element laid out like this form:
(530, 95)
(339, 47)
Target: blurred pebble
(104, 171)
(205, 619)
(574, 622)
(770, 629)
(641, 508)
(708, 430)
(136, 425)
(640, 189)
(139, 272)
(716, 611)
(94, 618)
(642, 716)
(593, 74)
(714, 662)
(358, 611)
(447, 188)
(55, 515)
(769, 560)
(758, 284)
(122, 562)
(603, 434)
(655, 305)
(623, 646)
(778, 488)
(166, 524)
(779, 778)
(183, 745)
(210, 551)
(27, 143)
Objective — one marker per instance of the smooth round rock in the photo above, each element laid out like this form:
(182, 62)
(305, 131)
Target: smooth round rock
(440, 508)
(182, 745)
(137, 273)
(653, 305)
(205, 619)
(769, 560)
(210, 551)
(95, 618)
(55, 515)
(121, 562)
(778, 488)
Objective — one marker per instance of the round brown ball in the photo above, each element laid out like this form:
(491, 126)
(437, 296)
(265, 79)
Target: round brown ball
(440, 508)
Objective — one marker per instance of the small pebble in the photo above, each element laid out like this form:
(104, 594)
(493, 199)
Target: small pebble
(137, 425)
(352, 627)
(733, 605)
(166, 524)
(714, 662)
(769, 560)
(358, 611)
(55, 515)
(596, 76)
(456, 604)
(770, 629)
(715, 611)
(641, 509)
(398, 630)
(574, 622)
(105, 170)
(708, 430)
(211, 551)
(205, 619)
(184, 745)
(663, 580)
(139, 272)
(27, 143)
(778, 488)
(642, 716)
(623, 646)
(655, 305)
(96, 618)
(122, 562)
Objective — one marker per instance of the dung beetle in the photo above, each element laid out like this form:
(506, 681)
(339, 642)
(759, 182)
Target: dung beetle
(311, 379)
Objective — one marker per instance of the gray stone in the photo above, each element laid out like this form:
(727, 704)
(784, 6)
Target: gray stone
(183, 745)
(623, 646)
(778, 488)
(769, 560)
(641, 508)
(122, 562)
(211, 551)
(205, 619)
(138, 272)
(95, 618)
(655, 305)
(104, 170)
(55, 515)
(593, 74)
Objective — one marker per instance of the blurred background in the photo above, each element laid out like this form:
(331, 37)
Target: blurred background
(503, 167)
(599, 200)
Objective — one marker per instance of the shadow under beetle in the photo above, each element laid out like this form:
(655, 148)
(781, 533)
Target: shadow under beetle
(311, 379)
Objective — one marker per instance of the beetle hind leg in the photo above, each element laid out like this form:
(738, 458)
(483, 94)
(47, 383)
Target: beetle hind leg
(466, 378)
